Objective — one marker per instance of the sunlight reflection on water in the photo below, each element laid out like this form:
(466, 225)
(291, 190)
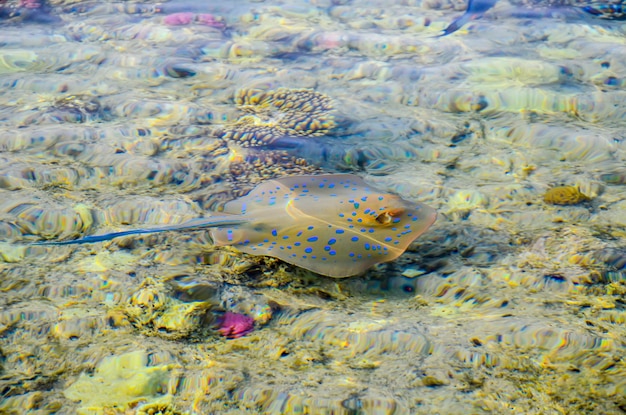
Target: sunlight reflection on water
(117, 115)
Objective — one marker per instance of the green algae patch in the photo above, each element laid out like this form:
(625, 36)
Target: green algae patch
(120, 382)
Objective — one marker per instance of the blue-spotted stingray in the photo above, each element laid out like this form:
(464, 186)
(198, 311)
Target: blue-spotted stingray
(334, 225)
(605, 9)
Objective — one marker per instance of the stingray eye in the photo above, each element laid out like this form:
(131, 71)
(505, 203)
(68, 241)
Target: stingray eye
(384, 218)
(387, 216)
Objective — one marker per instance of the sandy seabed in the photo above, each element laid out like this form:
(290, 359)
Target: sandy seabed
(120, 115)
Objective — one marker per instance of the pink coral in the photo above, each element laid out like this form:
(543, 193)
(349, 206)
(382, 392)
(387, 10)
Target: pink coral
(29, 4)
(210, 20)
(234, 325)
(184, 18)
(176, 19)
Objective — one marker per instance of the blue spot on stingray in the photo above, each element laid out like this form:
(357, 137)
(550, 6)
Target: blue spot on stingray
(353, 213)
(308, 249)
(363, 230)
(266, 240)
(332, 252)
(286, 237)
(323, 258)
(381, 198)
(388, 239)
(407, 226)
(354, 238)
(396, 242)
(327, 248)
(321, 185)
(331, 241)
(246, 242)
(368, 210)
(310, 228)
(367, 247)
(339, 231)
(364, 198)
(312, 239)
(330, 186)
(351, 254)
(356, 205)
(274, 232)
(359, 220)
(341, 215)
(297, 244)
(299, 233)
(288, 246)
(396, 220)
(372, 231)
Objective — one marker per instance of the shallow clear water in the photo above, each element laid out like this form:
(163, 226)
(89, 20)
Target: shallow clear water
(122, 115)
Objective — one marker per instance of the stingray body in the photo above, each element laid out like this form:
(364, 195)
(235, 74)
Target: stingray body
(605, 9)
(335, 225)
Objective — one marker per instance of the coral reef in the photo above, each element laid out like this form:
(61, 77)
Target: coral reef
(122, 382)
(279, 114)
(129, 114)
(564, 195)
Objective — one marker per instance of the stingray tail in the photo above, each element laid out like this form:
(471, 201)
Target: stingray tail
(475, 10)
(210, 222)
(458, 23)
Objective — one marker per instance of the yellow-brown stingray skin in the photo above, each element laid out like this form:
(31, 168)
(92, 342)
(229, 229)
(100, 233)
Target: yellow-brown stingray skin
(334, 225)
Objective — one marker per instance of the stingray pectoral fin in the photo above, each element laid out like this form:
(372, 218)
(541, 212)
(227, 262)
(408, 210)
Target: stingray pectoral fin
(210, 222)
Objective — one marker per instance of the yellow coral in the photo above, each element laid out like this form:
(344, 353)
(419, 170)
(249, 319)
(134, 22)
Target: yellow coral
(279, 113)
(249, 131)
(119, 382)
(564, 195)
